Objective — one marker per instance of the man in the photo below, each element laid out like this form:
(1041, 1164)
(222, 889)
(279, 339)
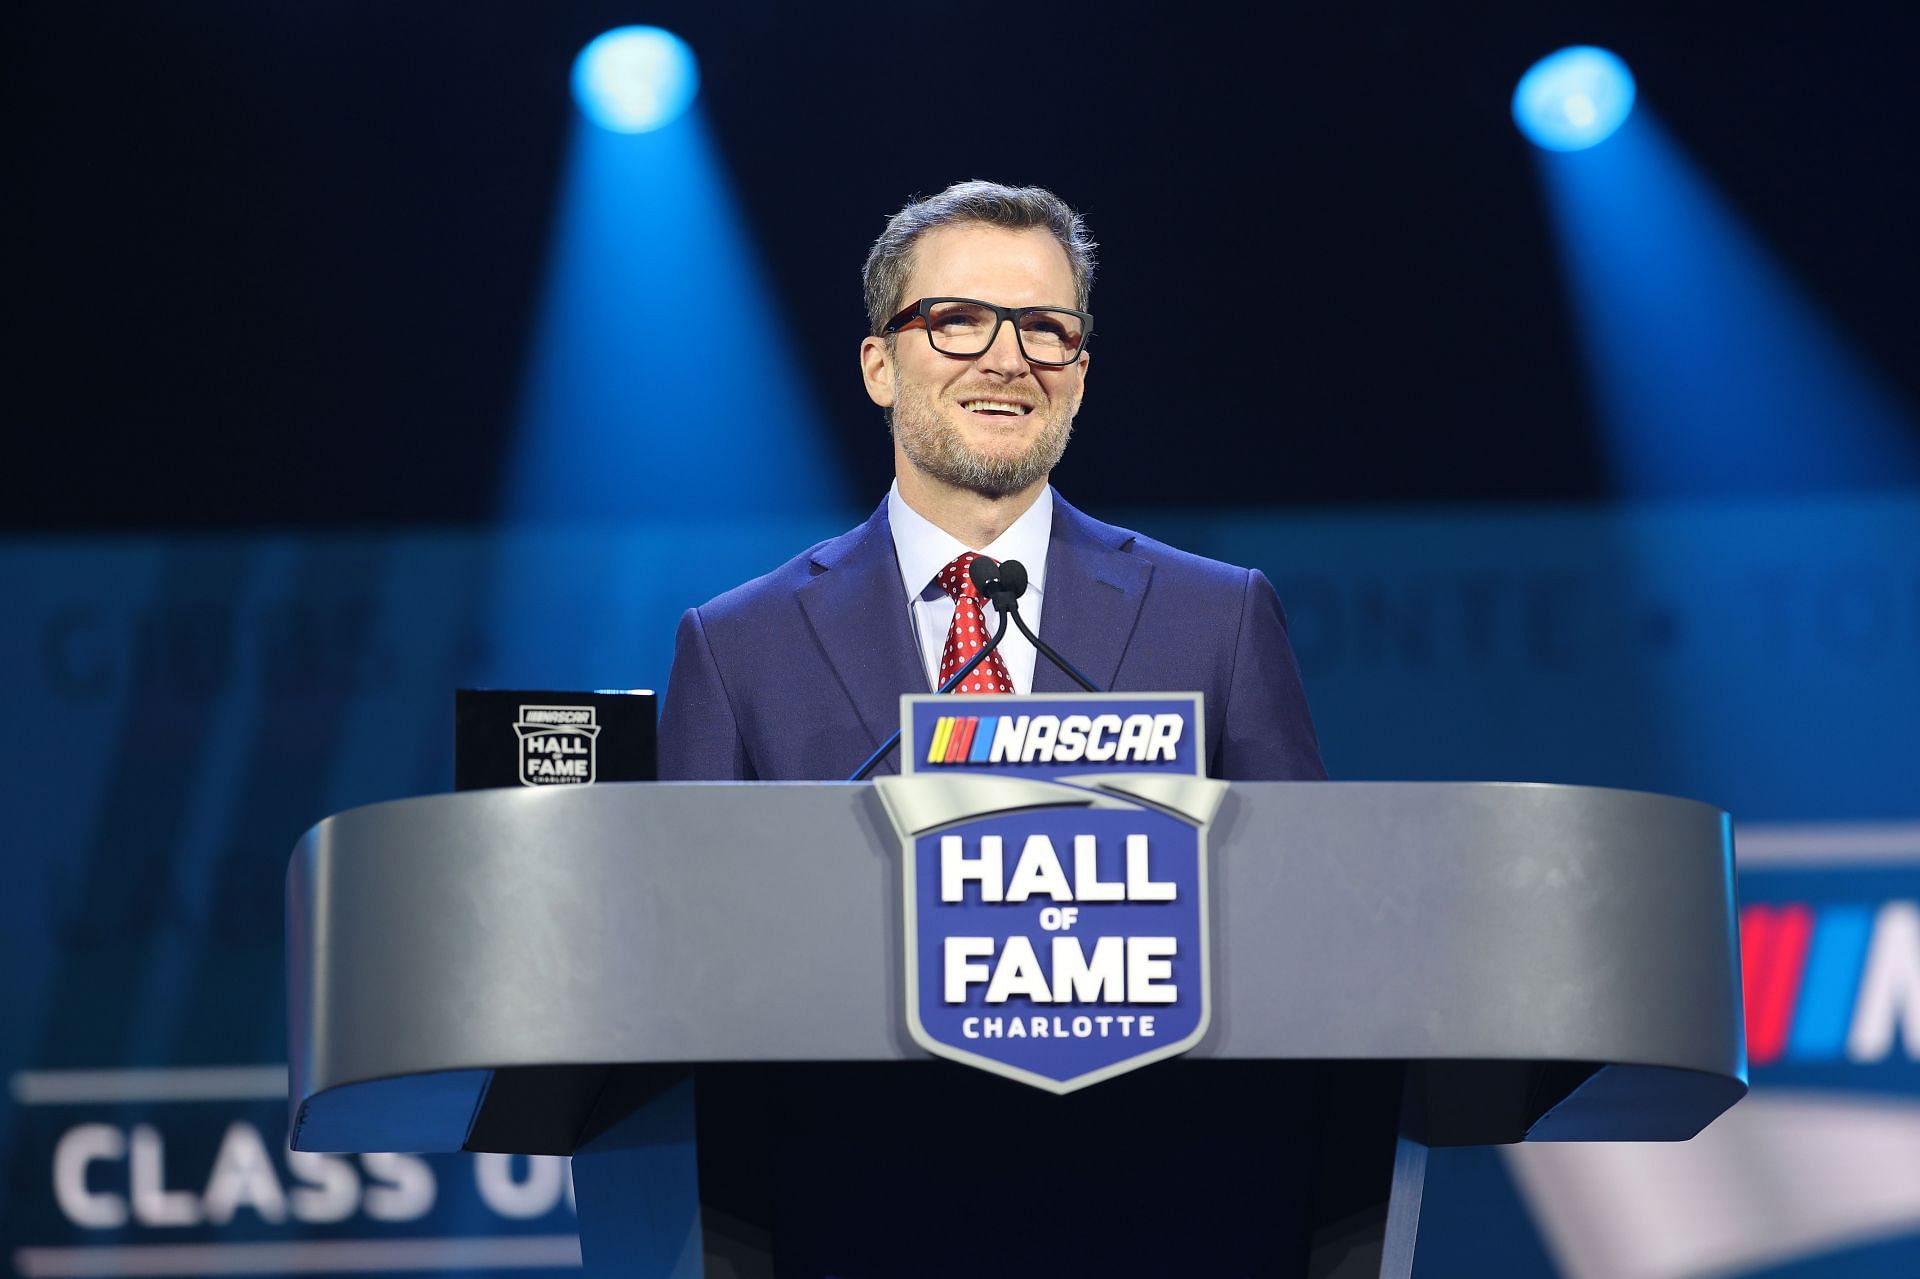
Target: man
(976, 352)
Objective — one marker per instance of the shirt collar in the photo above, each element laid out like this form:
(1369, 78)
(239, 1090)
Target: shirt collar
(923, 548)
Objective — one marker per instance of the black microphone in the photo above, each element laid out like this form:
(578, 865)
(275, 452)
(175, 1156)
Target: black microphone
(1009, 586)
(1005, 586)
(999, 584)
(1000, 633)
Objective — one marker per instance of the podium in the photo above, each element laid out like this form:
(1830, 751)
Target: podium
(696, 989)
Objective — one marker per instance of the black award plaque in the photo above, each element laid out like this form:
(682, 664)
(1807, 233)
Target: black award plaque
(504, 737)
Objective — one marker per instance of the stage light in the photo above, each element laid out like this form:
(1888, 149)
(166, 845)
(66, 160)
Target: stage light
(626, 390)
(1710, 369)
(635, 79)
(1573, 99)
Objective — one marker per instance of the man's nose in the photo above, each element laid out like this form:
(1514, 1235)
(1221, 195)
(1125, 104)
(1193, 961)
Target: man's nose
(1004, 352)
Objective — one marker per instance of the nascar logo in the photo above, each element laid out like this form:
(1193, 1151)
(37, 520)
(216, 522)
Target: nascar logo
(1054, 739)
(1828, 983)
(556, 745)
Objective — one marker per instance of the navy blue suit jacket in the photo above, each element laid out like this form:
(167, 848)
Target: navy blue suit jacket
(798, 675)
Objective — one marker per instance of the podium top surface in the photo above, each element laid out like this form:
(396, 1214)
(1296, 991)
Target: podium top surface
(433, 941)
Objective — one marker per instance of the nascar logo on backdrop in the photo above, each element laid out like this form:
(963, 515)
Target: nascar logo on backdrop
(1055, 881)
(1830, 954)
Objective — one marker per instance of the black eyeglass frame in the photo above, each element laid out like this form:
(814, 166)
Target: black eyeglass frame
(920, 310)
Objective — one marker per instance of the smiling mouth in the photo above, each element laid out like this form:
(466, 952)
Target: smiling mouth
(997, 408)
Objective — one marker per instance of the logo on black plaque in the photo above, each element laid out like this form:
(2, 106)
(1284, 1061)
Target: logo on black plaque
(556, 745)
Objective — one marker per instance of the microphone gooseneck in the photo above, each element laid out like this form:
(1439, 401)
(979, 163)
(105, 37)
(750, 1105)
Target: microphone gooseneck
(1002, 584)
(873, 760)
(1073, 672)
(1009, 585)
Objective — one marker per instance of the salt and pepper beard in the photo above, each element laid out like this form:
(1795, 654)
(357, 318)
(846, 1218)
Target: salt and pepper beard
(935, 445)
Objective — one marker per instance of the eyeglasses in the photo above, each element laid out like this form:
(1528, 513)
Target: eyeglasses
(966, 327)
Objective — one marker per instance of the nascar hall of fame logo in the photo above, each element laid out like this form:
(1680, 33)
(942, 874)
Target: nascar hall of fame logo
(556, 745)
(1055, 881)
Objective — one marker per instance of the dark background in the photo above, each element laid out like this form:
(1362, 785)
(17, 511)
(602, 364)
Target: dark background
(276, 264)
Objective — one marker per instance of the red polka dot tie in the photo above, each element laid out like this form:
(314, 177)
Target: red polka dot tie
(968, 633)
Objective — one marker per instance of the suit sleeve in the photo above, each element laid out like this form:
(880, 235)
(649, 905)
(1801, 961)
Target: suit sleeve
(700, 739)
(1268, 735)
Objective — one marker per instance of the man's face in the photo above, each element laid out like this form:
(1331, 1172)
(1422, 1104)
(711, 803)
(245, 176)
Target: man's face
(992, 424)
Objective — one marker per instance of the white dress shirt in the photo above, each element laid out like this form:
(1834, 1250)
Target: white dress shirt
(923, 549)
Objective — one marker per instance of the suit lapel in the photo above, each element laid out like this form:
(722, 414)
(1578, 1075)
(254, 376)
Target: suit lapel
(858, 612)
(1094, 592)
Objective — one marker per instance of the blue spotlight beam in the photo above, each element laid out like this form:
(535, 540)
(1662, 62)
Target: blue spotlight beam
(661, 381)
(1712, 371)
(1573, 99)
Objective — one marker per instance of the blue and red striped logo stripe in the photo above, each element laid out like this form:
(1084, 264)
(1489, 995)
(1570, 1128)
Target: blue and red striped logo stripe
(1801, 971)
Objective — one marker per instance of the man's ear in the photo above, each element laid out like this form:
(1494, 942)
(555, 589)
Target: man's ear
(876, 370)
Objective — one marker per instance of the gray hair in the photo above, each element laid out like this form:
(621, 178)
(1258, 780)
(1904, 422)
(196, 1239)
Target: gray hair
(1015, 208)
